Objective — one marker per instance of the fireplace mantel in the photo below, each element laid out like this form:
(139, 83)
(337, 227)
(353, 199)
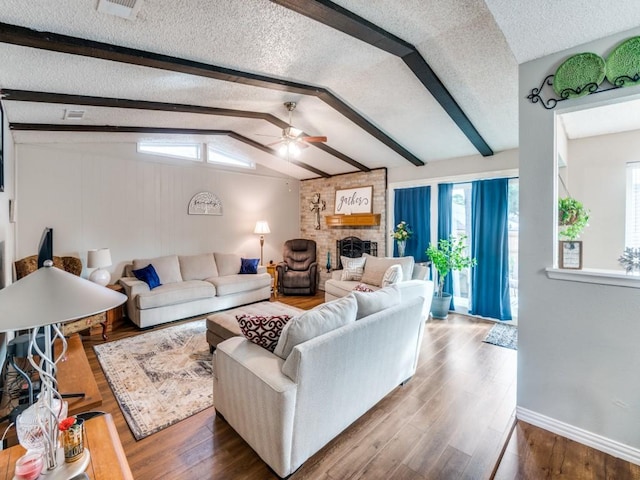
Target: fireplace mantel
(353, 220)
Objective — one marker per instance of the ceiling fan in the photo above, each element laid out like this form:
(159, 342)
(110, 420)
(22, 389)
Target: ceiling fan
(293, 140)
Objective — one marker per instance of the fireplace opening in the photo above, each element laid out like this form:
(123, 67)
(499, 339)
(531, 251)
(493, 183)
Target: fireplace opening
(353, 247)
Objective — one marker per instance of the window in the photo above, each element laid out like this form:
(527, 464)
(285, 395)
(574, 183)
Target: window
(188, 151)
(513, 226)
(632, 223)
(221, 158)
(461, 225)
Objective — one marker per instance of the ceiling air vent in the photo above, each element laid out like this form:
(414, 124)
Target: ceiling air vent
(120, 8)
(73, 115)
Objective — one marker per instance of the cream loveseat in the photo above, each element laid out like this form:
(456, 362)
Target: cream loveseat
(330, 366)
(412, 281)
(191, 285)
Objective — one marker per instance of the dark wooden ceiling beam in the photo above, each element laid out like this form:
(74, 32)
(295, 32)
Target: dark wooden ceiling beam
(85, 100)
(17, 35)
(54, 127)
(345, 21)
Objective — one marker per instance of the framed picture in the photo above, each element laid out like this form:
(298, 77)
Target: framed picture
(354, 200)
(571, 254)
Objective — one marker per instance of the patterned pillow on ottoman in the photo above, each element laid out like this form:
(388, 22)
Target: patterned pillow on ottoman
(361, 287)
(263, 330)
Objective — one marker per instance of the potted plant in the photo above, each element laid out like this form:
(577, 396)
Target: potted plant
(446, 256)
(572, 218)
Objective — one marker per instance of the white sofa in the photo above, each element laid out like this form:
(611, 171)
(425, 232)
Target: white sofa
(413, 282)
(191, 285)
(288, 407)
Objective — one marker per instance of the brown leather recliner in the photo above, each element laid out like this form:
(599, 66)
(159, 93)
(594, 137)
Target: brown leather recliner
(298, 272)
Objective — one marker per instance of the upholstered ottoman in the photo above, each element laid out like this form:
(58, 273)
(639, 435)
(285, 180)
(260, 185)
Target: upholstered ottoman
(223, 325)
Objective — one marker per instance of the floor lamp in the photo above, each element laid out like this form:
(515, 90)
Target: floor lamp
(262, 228)
(46, 299)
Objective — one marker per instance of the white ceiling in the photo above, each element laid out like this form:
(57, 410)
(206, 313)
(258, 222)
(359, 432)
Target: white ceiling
(473, 46)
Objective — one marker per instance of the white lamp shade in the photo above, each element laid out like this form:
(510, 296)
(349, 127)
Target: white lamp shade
(50, 295)
(262, 227)
(99, 258)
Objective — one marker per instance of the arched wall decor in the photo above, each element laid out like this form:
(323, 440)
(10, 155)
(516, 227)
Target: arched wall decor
(205, 203)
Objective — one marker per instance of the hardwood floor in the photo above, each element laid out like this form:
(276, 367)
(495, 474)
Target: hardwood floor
(533, 453)
(450, 421)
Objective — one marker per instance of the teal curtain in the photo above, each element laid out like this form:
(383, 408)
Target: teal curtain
(445, 215)
(413, 205)
(490, 247)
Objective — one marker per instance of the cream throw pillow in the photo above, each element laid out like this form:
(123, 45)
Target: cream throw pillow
(377, 266)
(392, 275)
(352, 268)
(316, 322)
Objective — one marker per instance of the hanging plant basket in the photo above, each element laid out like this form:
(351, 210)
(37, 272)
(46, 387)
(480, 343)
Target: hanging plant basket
(572, 216)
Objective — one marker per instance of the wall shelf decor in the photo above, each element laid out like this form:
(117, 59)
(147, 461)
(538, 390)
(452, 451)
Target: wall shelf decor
(570, 254)
(205, 203)
(587, 73)
(355, 220)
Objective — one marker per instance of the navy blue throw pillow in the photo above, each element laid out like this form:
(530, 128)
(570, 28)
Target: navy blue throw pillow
(148, 275)
(249, 265)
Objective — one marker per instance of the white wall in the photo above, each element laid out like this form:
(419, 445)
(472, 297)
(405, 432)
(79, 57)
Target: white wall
(598, 179)
(106, 195)
(578, 355)
(6, 227)
(472, 166)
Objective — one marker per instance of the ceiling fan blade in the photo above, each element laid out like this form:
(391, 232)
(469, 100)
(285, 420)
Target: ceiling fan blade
(314, 139)
(275, 143)
(265, 135)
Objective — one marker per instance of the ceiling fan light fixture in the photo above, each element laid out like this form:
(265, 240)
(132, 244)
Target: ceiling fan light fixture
(294, 149)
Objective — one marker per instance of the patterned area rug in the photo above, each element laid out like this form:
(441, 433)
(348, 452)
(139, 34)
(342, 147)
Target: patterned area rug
(159, 377)
(503, 336)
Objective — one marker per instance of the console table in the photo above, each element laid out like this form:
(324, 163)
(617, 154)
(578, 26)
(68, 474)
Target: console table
(108, 460)
(75, 376)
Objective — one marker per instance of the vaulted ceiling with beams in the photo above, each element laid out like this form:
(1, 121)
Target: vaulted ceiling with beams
(389, 83)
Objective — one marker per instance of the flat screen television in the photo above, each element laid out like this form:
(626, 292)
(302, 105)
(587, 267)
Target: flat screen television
(45, 249)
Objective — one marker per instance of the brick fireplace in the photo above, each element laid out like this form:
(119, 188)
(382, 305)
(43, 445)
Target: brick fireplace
(327, 237)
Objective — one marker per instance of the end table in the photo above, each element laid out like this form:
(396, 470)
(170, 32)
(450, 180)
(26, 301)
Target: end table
(271, 270)
(111, 315)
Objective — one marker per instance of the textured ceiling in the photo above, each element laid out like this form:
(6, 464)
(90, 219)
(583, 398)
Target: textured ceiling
(472, 46)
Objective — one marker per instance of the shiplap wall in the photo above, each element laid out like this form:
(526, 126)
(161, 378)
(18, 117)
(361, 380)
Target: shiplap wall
(105, 195)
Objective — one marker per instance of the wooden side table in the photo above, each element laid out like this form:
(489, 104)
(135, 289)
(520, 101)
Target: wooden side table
(112, 315)
(273, 271)
(108, 460)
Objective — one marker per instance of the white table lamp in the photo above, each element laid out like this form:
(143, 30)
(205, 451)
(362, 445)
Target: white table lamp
(99, 259)
(262, 228)
(48, 298)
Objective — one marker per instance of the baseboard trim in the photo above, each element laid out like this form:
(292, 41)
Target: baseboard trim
(612, 447)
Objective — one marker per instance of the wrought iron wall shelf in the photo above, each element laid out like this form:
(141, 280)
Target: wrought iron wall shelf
(536, 95)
